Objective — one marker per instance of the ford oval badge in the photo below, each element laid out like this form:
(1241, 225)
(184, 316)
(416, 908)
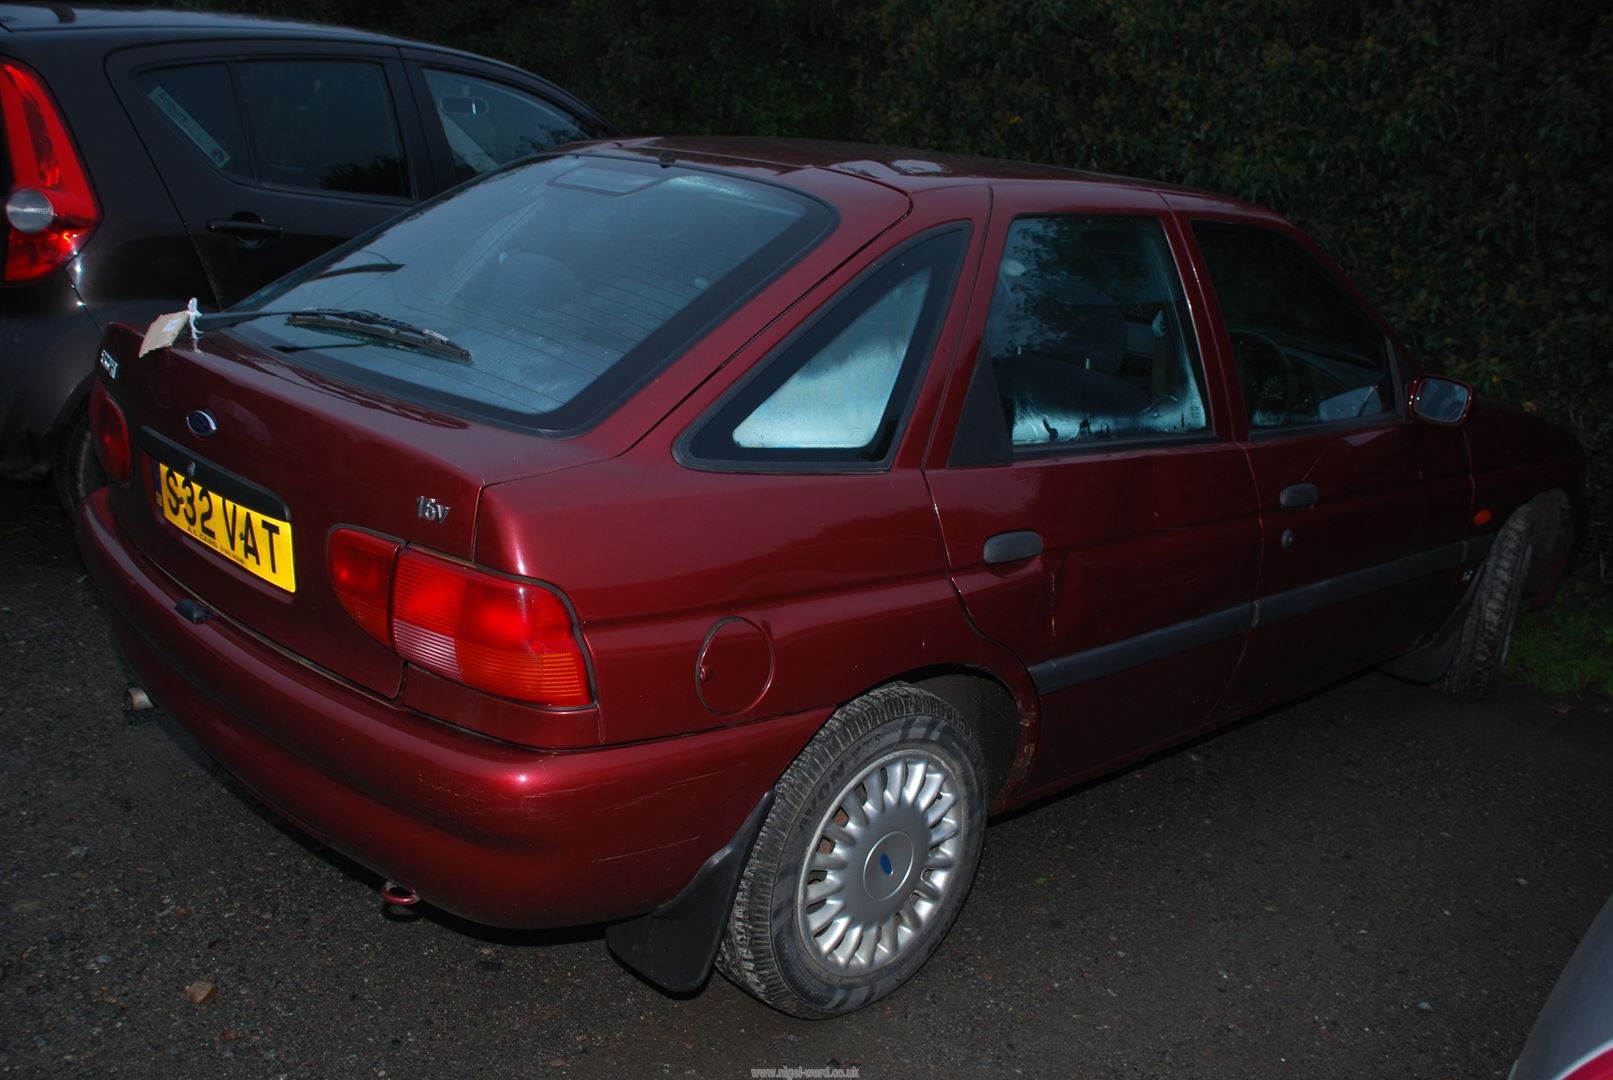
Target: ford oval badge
(201, 423)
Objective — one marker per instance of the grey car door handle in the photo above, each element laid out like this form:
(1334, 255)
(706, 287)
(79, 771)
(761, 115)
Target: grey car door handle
(1298, 496)
(1012, 547)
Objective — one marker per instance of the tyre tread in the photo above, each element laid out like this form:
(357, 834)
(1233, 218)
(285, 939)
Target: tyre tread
(1475, 668)
(746, 954)
(76, 470)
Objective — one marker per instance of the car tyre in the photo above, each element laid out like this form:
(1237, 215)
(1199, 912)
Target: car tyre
(865, 859)
(76, 469)
(1486, 635)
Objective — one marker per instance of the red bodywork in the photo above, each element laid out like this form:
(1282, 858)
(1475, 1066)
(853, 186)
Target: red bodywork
(725, 614)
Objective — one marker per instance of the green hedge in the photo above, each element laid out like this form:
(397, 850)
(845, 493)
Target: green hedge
(1455, 156)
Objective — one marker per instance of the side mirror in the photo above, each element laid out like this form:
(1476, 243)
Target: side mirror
(1441, 401)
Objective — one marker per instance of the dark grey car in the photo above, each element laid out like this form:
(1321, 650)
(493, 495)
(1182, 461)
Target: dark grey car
(151, 156)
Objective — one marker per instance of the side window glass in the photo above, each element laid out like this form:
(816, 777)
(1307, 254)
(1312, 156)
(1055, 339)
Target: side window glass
(327, 125)
(1088, 335)
(1306, 352)
(488, 124)
(200, 104)
(838, 392)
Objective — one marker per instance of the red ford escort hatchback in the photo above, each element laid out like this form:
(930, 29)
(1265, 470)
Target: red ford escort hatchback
(704, 537)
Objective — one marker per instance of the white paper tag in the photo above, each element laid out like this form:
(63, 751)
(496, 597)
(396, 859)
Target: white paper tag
(163, 331)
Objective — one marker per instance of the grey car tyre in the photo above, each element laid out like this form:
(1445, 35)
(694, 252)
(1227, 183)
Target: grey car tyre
(865, 859)
(76, 469)
(1481, 649)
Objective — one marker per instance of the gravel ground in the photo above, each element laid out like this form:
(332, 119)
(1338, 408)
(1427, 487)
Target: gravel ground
(1376, 882)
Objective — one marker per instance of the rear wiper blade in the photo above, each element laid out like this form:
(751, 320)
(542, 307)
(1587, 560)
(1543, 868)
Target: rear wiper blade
(371, 325)
(365, 323)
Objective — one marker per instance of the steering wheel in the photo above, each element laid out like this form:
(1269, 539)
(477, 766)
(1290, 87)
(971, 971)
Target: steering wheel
(1271, 383)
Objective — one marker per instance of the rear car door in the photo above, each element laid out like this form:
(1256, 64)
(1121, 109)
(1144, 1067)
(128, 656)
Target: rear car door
(275, 151)
(1362, 509)
(1098, 519)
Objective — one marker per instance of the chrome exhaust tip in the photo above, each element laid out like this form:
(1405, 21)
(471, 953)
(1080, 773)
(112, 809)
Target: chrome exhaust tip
(398, 895)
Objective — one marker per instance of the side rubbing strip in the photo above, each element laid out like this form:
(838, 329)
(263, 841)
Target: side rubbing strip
(1067, 671)
(1064, 672)
(1320, 594)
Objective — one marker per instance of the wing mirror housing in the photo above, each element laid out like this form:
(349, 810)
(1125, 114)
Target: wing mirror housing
(1438, 400)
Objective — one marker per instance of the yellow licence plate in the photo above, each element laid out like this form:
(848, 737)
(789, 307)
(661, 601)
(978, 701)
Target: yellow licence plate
(257, 542)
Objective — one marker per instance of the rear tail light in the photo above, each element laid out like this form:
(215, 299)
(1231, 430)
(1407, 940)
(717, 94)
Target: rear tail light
(110, 433)
(361, 574)
(508, 637)
(50, 209)
(503, 635)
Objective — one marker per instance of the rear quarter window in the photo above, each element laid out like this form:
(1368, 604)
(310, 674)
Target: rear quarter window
(836, 395)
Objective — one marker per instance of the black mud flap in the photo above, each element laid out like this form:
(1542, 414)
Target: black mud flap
(675, 945)
(1426, 663)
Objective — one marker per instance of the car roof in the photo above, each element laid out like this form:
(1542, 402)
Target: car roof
(165, 22)
(904, 169)
(116, 27)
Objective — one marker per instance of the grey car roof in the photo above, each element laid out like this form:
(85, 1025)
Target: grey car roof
(47, 18)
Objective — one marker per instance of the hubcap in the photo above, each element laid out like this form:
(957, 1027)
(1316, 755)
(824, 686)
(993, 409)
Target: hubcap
(881, 862)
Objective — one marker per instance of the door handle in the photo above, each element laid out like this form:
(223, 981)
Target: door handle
(244, 228)
(1012, 547)
(1298, 496)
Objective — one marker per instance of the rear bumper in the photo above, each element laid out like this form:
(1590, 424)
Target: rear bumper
(48, 343)
(497, 833)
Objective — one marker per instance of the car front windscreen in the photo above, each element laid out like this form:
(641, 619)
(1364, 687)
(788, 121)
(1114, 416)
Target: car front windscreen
(566, 283)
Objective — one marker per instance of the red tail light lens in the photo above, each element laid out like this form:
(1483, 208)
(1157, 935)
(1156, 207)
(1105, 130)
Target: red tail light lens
(502, 635)
(507, 637)
(361, 574)
(111, 435)
(50, 208)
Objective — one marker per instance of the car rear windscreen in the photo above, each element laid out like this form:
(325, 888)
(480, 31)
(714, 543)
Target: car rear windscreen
(562, 284)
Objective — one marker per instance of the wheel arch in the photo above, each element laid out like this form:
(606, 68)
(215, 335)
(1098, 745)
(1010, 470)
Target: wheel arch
(1556, 538)
(1002, 720)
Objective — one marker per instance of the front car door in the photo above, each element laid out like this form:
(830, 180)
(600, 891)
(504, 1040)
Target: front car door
(479, 116)
(1363, 510)
(1098, 518)
(275, 151)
